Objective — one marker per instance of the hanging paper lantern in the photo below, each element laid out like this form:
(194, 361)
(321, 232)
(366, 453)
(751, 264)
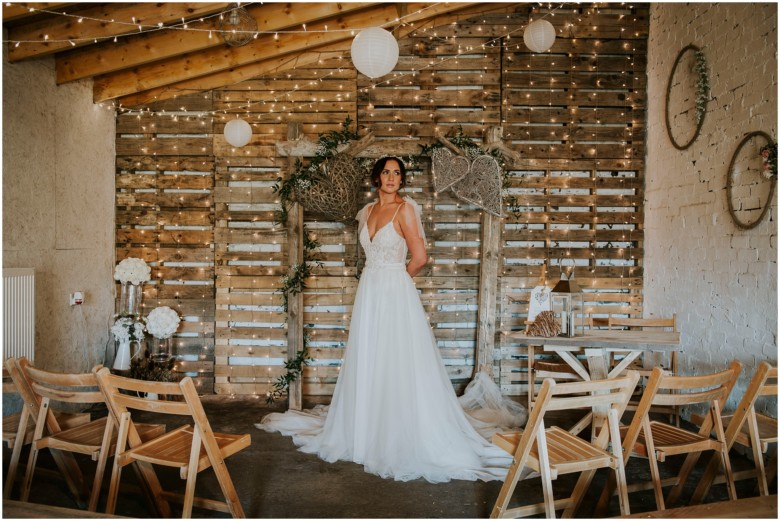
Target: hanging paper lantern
(539, 36)
(238, 132)
(374, 52)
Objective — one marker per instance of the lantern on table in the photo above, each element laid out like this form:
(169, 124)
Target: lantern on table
(567, 304)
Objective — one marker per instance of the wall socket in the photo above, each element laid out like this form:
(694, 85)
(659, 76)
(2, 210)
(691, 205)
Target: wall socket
(76, 298)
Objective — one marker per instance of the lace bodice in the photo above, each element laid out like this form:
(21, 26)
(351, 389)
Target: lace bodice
(387, 247)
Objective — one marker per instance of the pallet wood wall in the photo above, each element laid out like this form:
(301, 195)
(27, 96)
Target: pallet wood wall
(576, 116)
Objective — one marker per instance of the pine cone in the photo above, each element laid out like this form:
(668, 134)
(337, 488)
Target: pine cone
(545, 325)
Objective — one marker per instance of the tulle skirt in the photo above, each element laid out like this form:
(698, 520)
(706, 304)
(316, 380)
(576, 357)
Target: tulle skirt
(394, 409)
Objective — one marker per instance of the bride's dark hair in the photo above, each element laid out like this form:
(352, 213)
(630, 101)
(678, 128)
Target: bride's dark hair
(380, 165)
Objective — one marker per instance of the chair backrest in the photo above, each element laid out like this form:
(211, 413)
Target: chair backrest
(613, 393)
(17, 369)
(123, 393)
(79, 388)
(641, 323)
(763, 383)
(8, 384)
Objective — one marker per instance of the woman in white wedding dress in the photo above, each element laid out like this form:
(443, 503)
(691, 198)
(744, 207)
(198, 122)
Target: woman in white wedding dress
(394, 409)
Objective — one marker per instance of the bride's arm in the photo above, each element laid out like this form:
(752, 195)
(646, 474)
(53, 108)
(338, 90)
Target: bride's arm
(407, 220)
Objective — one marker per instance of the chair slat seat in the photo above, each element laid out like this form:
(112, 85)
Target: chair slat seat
(767, 431)
(88, 438)
(569, 453)
(66, 420)
(173, 448)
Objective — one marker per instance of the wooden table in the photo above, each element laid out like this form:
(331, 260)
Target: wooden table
(597, 345)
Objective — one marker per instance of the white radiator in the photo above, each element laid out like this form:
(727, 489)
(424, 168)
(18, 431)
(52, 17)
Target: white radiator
(19, 313)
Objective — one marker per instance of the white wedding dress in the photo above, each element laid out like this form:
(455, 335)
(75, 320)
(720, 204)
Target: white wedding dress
(394, 409)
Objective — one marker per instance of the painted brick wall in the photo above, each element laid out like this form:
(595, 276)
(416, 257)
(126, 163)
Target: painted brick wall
(719, 279)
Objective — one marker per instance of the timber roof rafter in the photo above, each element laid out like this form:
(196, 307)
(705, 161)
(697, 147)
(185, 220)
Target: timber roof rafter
(138, 53)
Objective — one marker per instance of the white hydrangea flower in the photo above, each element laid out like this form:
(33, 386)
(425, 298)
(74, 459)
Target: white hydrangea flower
(162, 322)
(126, 329)
(132, 270)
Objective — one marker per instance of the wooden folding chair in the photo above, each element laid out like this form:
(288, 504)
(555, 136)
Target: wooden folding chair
(192, 448)
(95, 438)
(644, 364)
(752, 430)
(657, 440)
(55, 421)
(554, 451)
(21, 427)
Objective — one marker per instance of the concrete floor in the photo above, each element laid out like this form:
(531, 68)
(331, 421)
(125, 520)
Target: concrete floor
(274, 480)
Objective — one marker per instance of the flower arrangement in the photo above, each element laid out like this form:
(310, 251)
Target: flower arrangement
(126, 329)
(162, 322)
(132, 270)
(769, 156)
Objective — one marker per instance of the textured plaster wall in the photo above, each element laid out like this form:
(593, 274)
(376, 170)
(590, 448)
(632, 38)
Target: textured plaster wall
(720, 280)
(58, 208)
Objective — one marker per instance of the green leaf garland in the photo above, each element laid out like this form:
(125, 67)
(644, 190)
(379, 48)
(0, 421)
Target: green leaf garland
(702, 86)
(293, 284)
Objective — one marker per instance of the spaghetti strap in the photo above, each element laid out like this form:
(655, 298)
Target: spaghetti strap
(370, 209)
(397, 210)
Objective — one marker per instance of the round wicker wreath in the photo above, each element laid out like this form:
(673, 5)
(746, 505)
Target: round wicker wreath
(335, 189)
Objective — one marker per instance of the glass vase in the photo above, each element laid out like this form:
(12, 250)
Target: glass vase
(161, 349)
(130, 299)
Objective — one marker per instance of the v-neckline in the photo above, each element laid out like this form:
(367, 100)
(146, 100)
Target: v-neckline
(371, 239)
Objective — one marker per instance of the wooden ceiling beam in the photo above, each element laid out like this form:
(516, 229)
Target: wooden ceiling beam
(141, 50)
(282, 63)
(20, 10)
(96, 24)
(176, 70)
(233, 76)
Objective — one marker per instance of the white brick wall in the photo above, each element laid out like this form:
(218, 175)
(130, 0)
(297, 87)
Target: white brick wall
(720, 280)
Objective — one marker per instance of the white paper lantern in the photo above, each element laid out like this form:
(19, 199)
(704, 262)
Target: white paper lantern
(539, 36)
(238, 132)
(374, 52)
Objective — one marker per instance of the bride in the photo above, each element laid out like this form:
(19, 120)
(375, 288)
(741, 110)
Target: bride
(394, 409)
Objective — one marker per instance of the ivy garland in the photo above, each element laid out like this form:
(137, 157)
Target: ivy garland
(304, 175)
(294, 284)
(702, 86)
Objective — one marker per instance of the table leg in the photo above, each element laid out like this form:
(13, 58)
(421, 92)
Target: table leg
(598, 369)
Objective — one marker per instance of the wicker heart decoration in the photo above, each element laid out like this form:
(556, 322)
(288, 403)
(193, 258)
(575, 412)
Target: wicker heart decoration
(482, 187)
(447, 169)
(335, 191)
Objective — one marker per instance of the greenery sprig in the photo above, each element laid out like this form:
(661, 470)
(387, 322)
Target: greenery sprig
(293, 284)
(306, 174)
(702, 86)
